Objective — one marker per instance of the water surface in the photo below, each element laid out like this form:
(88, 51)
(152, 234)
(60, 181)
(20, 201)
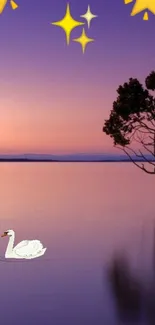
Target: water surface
(82, 213)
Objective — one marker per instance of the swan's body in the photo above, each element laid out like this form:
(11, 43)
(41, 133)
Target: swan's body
(26, 249)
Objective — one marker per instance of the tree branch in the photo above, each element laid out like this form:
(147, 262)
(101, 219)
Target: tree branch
(146, 126)
(148, 150)
(134, 152)
(148, 161)
(136, 164)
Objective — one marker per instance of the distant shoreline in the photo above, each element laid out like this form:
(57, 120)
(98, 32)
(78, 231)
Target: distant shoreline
(66, 161)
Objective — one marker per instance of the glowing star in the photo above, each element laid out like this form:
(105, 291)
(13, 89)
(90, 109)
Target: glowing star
(68, 24)
(2, 5)
(4, 2)
(83, 40)
(13, 4)
(142, 5)
(88, 16)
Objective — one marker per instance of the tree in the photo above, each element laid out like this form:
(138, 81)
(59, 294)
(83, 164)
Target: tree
(131, 124)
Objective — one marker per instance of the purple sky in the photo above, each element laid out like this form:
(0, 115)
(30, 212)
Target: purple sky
(53, 98)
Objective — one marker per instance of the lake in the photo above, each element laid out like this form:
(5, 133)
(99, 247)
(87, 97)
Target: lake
(83, 213)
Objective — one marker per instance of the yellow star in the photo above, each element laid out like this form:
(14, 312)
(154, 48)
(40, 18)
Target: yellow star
(83, 40)
(88, 16)
(4, 2)
(13, 5)
(2, 5)
(68, 23)
(141, 5)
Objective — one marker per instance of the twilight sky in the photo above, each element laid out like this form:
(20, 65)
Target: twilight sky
(54, 99)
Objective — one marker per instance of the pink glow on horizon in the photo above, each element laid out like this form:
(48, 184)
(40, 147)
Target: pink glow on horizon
(64, 119)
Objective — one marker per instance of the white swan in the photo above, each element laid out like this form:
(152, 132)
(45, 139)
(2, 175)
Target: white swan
(27, 249)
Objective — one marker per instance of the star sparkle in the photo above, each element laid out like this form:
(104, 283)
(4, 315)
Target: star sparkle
(88, 16)
(13, 4)
(3, 3)
(141, 5)
(83, 40)
(68, 23)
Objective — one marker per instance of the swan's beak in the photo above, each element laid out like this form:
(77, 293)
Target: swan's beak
(5, 234)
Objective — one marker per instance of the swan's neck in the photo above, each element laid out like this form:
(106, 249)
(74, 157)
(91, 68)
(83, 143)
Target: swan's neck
(9, 249)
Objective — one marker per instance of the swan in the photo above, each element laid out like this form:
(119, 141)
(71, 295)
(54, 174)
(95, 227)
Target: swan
(26, 249)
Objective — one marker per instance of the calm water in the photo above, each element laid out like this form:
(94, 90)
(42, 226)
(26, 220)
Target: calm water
(82, 213)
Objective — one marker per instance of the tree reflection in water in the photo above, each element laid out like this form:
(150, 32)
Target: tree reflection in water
(135, 302)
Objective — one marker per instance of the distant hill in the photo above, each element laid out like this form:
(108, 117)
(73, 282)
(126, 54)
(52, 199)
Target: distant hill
(67, 158)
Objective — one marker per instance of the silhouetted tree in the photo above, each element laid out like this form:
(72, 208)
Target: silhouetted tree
(132, 122)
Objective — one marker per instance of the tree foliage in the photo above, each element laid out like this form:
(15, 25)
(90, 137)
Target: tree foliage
(131, 123)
